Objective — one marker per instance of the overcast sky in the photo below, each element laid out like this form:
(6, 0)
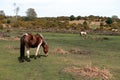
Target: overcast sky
(53, 8)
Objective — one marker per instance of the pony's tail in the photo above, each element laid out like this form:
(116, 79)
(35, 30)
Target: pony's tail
(22, 48)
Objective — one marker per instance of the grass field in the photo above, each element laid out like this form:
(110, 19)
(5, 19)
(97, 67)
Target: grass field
(103, 53)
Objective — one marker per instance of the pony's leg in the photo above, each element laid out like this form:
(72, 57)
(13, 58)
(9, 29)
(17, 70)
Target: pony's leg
(37, 51)
(28, 54)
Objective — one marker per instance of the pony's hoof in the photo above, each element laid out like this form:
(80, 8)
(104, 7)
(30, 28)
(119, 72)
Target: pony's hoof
(28, 60)
(21, 61)
(38, 56)
(46, 55)
(35, 57)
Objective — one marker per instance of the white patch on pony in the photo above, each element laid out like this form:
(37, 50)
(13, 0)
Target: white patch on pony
(28, 53)
(83, 33)
(38, 47)
(26, 34)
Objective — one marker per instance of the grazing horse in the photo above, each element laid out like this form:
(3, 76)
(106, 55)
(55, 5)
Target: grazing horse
(32, 41)
(83, 33)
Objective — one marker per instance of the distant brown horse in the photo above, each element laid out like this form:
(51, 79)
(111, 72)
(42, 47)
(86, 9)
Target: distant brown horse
(32, 41)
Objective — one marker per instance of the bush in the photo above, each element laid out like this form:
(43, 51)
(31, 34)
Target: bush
(1, 27)
(72, 17)
(109, 21)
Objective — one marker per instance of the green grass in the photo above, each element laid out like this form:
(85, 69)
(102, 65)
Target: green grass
(103, 54)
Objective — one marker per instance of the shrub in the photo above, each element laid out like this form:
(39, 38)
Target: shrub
(1, 27)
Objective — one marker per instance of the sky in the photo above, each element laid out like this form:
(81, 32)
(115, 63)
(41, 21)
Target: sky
(54, 8)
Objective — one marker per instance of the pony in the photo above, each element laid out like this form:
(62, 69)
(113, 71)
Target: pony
(32, 41)
(83, 33)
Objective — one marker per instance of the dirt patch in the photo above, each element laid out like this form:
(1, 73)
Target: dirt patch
(2, 38)
(91, 72)
(10, 38)
(97, 38)
(60, 51)
(11, 47)
(17, 38)
(102, 39)
(79, 51)
(72, 51)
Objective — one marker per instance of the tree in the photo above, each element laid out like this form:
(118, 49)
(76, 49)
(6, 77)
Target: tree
(91, 17)
(78, 17)
(72, 17)
(114, 17)
(16, 10)
(2, 16)
(2, 13)
(109, 21)
(31, 14)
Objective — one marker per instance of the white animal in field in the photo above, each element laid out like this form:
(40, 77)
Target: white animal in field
(83, 33)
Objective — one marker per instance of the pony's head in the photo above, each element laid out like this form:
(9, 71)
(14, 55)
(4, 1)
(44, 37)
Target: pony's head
(44, 45)
(45, 48)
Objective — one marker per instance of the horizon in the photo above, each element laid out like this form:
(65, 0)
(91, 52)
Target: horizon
(53, 8)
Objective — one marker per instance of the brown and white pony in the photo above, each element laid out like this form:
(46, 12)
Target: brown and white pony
(32, 41)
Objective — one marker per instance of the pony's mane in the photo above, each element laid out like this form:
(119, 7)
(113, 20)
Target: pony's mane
(43, 38)
(41, 35)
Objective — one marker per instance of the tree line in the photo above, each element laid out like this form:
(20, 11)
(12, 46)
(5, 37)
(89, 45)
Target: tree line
(58, 23)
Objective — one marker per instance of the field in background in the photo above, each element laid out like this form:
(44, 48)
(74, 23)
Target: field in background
(101, 51)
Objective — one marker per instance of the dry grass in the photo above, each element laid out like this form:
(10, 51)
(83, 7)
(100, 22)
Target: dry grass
(10, 38)
(91, 72)
(72, 51)
(82, 21)
(2, 38)
(76, 22)
(60, 51)
(11, 47)
(17, 38)
(79, 51)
